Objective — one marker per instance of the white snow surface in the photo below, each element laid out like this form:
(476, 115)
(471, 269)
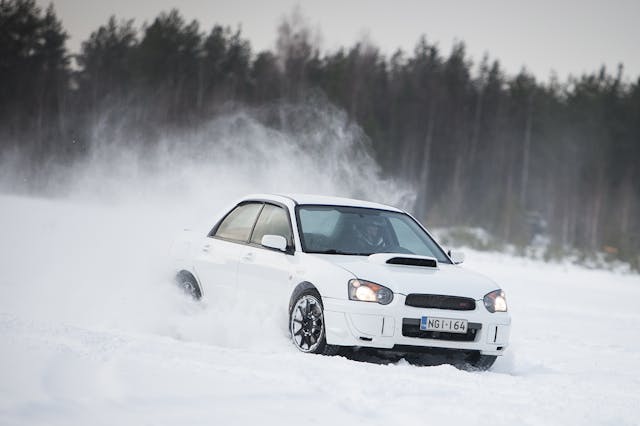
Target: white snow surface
(93, 332)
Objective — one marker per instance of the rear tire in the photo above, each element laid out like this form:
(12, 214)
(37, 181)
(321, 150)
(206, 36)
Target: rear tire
(306, 324)
(188, 284)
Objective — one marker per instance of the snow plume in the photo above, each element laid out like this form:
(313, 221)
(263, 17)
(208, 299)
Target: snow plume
(94, 254)
(311, 147)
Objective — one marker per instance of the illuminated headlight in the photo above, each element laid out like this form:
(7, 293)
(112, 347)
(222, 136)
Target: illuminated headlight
(366, 291)
(496, 301)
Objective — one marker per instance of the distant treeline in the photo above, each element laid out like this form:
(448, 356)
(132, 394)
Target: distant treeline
(512, 154)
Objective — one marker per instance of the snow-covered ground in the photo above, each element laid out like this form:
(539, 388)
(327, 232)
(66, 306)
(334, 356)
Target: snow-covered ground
(92, 332)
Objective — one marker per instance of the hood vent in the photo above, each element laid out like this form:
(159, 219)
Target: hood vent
(414, 261)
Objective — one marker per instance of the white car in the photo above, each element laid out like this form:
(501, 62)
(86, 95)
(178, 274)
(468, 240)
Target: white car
(356, 274)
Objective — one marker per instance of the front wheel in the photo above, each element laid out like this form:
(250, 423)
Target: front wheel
(306, 324)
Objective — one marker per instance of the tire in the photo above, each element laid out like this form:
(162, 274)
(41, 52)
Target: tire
(482, 362)
(189, 285)
(306, 323)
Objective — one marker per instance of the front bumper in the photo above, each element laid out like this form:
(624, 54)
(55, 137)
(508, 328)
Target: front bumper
(353, 323)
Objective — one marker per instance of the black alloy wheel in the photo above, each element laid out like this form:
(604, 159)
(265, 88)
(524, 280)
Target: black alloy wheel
(306, 324)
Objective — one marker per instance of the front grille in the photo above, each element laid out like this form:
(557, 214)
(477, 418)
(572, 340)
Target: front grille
(411, 328)
(436, 301)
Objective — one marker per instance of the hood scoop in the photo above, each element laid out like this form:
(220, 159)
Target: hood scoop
(426, 262)
(404, 259)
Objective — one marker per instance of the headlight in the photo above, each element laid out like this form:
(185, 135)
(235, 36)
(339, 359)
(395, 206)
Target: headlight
(496, 301)
(366, 291)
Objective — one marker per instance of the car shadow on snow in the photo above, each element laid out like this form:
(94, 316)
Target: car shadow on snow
(460, 360)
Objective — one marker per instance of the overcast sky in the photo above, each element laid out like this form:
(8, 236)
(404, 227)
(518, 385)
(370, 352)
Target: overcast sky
(541, 35)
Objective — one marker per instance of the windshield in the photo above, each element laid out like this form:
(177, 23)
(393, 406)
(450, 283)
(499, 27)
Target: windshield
(362, 231)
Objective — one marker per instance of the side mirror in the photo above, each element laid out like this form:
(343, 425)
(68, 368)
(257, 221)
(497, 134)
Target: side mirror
(277, 242)
(457, 257)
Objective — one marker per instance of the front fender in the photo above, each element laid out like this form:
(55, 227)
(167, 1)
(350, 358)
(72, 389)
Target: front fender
(328, 278)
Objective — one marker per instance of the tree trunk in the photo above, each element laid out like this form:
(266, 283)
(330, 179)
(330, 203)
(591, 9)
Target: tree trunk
(423, 180)
(594, 223)
(524, 179)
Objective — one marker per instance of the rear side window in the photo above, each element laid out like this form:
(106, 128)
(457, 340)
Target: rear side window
(238, 224)
(273, 220)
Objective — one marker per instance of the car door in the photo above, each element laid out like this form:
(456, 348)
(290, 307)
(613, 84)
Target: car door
(265, 271)
(217, 260)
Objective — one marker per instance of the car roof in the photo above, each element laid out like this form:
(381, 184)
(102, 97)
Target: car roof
(322, 200)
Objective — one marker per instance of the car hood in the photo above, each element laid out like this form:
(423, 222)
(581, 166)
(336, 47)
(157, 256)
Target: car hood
(445, 279)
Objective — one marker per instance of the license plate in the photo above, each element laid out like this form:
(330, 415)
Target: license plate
(443, 324)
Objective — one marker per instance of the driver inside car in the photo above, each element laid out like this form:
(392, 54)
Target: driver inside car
(371, 235)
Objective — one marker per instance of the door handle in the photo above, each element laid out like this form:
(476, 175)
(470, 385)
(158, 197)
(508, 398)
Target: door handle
(248, 257)
(206, 248)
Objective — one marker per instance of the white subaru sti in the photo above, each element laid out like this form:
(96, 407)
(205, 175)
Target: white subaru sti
(356, 274)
